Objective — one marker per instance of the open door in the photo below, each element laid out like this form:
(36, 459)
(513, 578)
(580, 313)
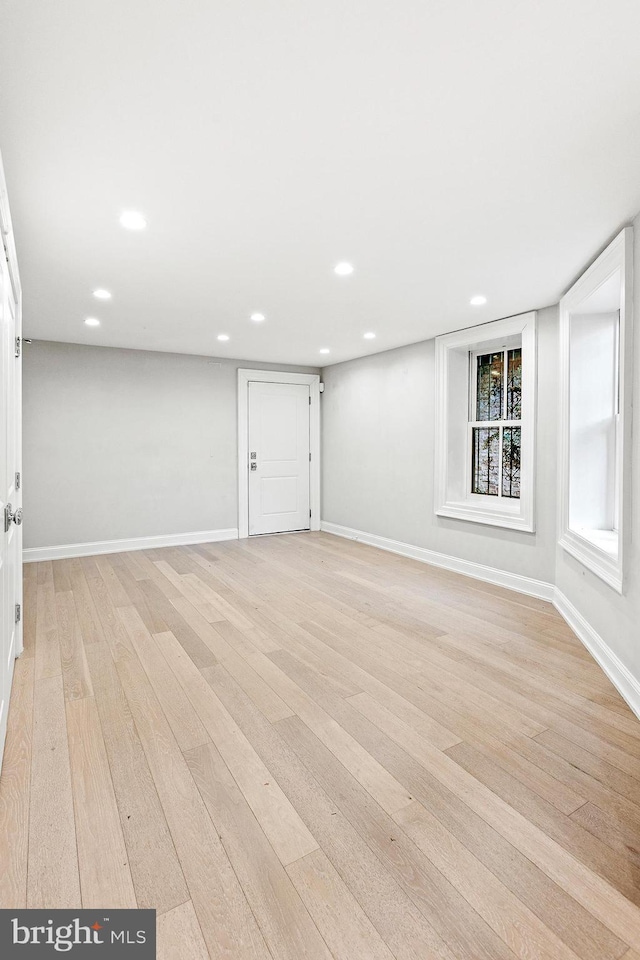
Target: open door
(10, 462)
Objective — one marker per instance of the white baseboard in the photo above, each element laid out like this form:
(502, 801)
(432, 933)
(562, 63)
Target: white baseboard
(67, 550)
(623, 680)
(502, 578)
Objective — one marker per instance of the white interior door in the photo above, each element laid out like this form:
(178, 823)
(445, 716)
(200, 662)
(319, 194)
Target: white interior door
(279, 453)
(10, 492)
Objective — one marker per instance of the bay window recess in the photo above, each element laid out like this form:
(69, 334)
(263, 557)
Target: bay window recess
(485, 423)
(595, 358)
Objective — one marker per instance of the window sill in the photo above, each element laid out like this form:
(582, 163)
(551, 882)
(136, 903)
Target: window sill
(597, 556)
(605, 540)
(473, 512)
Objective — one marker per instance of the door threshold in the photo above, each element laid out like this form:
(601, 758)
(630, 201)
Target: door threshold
(281, 533)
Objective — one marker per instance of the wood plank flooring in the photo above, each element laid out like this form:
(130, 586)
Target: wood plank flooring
(300, 746)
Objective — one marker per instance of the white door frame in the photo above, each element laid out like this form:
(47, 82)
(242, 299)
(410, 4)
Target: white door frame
(274, 376)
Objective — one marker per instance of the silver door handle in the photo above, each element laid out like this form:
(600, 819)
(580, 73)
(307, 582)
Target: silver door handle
(11, 516)
(254, 465)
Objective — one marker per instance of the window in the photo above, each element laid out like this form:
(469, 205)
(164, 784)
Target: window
(495, 428)
(485, 423)
(594, 331)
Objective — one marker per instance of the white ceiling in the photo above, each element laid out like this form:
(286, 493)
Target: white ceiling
(446, 148)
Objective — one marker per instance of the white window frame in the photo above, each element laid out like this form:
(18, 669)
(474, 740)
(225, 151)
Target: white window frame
(453, 496)
(618, 256)
(276, 376)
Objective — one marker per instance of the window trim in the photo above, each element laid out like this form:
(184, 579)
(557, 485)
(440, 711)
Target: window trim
(618, 256)
(506, 512)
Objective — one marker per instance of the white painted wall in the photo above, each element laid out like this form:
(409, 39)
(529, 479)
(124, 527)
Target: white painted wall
(378, 450)
(127, 443)
(615, 618)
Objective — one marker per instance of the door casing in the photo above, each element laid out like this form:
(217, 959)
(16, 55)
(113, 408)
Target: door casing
(245, 376)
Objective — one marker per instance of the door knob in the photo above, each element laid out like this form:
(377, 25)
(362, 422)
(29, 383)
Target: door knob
(11, 516)
(254, 465)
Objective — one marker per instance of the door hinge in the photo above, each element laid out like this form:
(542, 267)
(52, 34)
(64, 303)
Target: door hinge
(17, 481)
(309, 514)
(309, 401)
(18, 613)
(309, 458)
(19, 342)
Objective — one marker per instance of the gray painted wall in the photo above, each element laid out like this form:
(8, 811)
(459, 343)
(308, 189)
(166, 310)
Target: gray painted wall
(378, 421)
(378, 447)
(127, 443)
(616, 618)
(121, 443)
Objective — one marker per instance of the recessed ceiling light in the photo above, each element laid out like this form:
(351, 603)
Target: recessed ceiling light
(101, 294)
(258, 317)
(132, 220)
(343, 269)
(92, 322)
(223, 336)
(325, 350)
(369, 336)
(478, 301)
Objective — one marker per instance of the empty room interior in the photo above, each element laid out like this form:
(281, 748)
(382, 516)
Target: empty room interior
(320, 480)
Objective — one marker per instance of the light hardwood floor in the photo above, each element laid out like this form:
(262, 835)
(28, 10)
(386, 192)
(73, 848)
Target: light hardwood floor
(301, 747)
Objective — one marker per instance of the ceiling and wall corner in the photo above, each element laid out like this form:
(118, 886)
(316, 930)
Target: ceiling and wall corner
(447, 151)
